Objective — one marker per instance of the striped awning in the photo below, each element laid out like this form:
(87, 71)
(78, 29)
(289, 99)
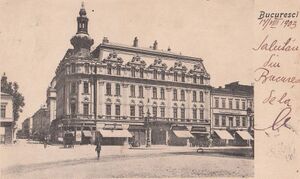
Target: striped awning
(244, 135)
(87, 133)
(223, 134)
(115, 133)
(182, 134)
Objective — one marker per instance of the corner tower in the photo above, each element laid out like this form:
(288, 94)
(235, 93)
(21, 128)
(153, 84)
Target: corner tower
(82, 42)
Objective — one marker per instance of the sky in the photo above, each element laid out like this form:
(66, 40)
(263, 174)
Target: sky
(35, 35)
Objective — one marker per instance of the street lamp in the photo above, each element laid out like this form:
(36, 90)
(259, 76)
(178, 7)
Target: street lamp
(147, 124)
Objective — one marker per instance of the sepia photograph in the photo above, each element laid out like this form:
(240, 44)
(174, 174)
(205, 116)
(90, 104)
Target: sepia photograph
(127, 89)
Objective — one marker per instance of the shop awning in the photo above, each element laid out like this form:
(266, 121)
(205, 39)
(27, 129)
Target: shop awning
(87, 133)
(223, 134)
(115, 133)
(244, 135)
(182, 134)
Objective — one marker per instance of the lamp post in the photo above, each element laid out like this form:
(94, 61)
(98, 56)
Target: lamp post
(251, 125)
(147, 124)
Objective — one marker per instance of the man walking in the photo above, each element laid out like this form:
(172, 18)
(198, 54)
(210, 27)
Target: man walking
(98, 149)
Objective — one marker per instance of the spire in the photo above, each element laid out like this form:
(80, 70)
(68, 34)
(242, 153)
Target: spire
(82, 21)
(135, 42)
(82, 42)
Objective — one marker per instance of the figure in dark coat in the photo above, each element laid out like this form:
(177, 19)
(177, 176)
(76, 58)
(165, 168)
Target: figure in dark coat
(98, 149)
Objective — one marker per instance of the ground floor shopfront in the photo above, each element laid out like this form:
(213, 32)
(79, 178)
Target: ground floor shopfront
(131, 133)
(6, 132)
(223, 137)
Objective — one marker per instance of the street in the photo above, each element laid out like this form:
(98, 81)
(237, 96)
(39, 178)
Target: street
(33, 161)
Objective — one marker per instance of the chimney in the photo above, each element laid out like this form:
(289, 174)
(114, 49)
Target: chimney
(105, 40)
(155, 45)
(135, 42)
(169, 49)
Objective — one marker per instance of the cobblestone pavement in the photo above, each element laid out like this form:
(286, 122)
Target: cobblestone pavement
(33, 161)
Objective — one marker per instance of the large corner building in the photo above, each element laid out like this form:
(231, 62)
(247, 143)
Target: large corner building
(127, 91)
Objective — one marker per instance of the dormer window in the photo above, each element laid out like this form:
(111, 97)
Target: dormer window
(132, 72)
(163, 75)
(141, 73)
(73, 68)
(194, 79)
(175, 76)
(155, 74)
(201, 80)
(183, 77)
(118, 70)
(109, 69)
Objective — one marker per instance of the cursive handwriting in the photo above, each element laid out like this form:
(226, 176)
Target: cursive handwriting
(265, 76)
(274, 46)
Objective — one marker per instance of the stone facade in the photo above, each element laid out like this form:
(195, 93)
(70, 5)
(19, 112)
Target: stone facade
(121, 85)
(6, 119)
(232, 111)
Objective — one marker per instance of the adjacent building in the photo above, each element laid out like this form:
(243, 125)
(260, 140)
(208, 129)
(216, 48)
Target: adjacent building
(6, 119)
(232, 114)
(125, 91)
(27, 128)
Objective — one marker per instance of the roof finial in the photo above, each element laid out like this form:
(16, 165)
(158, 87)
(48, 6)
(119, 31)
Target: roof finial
(82, 5)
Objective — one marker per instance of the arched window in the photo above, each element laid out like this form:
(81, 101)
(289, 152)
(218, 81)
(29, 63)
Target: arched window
(162, 93)
(175, 76)
(182, 95)
(132, 91)
(155, 74)
(194, 96)
(108, 89)
(141, 92)
(201, 97)
(182, 113)
(118, 70)
(175, 94)
(154, 90)
(118, 90)
(201, 114)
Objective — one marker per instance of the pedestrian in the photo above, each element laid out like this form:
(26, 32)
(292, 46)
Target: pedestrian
(98, 149)
(45, 142)
(210, 140)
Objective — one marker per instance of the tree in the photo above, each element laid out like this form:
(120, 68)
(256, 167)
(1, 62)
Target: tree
(18, 99)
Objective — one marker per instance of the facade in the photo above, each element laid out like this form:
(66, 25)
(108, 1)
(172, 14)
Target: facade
(126, 91)
(6, 121)
(40, 123)
(232, 114)
(27, 128)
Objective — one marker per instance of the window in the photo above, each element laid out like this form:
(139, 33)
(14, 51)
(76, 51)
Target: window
(141, 92)
(108, 89)
(118, 110)
(108, 110)
(132, 110)
(250, 104)
(237, 121)
(223, 120)
(162, 93)
(230, 103)
(194, 96)
(3, 111)
(155, 74)
(73, 108)
(182, 95)
(87, 68)
(217, 120)
(223, 103)
(85, 109)
(194, 79)
(175, 113)
(194, 113)
(175, 76)
(201, 97)
(154, 90)
(162, 112)
(141, 111)
(85, 87)
(141, 73)
(132, 72)
(182, 112)
(132, 91)
(182, 77)
(201, 80)
(73, 68)
(175, 94)
(73, 88)
(201, 114)
(237, 102)
(217, 102)
(109, 69)
(118, 70)
(118, 90)
(243, 105)
(154, 111)
(244, 122)
(163, 75)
